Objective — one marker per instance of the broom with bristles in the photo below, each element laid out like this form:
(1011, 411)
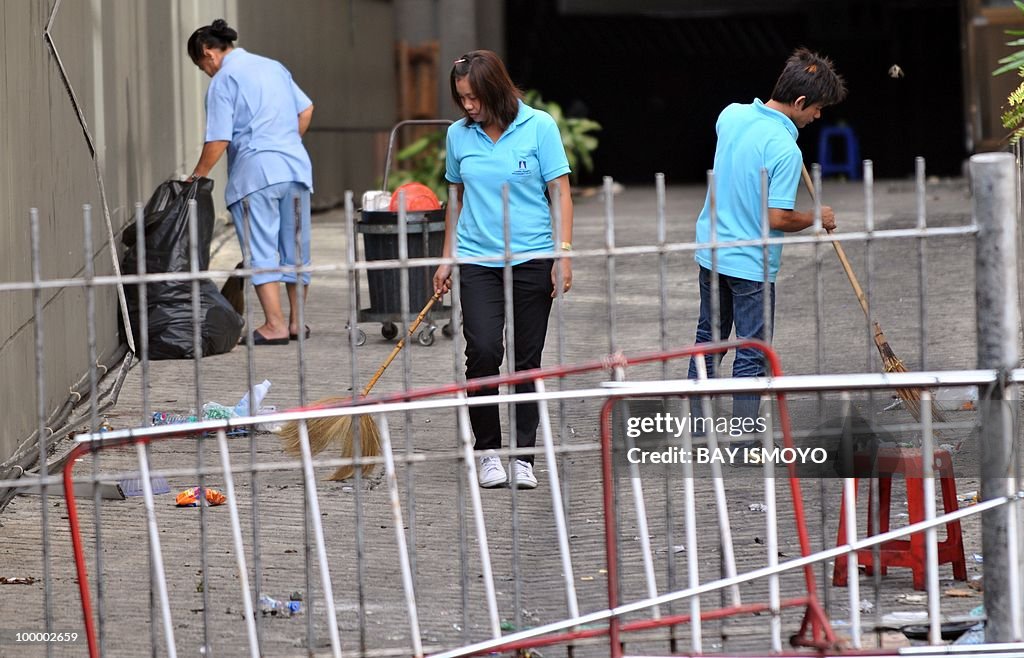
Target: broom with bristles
(322, 432)
(910, 397)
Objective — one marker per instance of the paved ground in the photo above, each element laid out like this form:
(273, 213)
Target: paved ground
(820, 328)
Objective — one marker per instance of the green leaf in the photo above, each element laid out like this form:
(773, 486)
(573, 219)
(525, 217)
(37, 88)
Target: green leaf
(1005, 69)
(414, 149)
(573, 132)
(1012, 56)
(1014, 61)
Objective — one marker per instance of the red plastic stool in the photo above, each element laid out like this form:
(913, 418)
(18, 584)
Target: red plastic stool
(901, 552)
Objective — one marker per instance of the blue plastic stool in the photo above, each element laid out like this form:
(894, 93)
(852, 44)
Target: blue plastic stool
(850, 165)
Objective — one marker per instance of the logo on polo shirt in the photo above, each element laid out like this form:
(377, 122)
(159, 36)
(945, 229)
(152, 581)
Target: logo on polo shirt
(522, 166)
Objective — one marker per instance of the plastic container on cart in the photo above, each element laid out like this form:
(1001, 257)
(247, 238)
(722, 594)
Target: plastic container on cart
(380, 237)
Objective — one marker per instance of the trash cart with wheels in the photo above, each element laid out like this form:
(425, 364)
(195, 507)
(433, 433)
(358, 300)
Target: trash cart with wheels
(425, 239)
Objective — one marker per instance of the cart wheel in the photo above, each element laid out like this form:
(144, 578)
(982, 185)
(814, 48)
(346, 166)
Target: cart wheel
(388, 330)
(447, 330)
(426, 336)
(360, 336)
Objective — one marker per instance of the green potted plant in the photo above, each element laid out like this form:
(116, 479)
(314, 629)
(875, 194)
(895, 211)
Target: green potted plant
(422, 161)
(1013, 118)
(577, 139)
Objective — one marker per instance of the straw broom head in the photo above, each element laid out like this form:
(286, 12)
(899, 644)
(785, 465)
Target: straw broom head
(323, 432)
(369, 446)
(911, 397)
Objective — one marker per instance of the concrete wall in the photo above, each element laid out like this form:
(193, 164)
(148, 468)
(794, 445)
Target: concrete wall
(342, 55)
(142, 101)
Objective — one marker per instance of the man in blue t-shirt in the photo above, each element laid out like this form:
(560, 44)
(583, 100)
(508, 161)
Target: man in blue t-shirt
(753, 138)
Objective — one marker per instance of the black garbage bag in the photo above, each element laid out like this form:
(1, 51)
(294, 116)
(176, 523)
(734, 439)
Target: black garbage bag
(169, 303)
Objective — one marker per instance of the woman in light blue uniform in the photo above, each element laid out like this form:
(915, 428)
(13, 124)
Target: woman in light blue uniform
(256, 112)
(502, 141)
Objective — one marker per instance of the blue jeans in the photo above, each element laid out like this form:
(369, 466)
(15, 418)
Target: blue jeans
(740, 302)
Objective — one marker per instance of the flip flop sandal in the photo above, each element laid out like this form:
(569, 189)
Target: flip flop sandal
(296, 336)
(260, 339)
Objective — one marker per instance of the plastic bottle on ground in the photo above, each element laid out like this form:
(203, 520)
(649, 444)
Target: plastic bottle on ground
(260, 392)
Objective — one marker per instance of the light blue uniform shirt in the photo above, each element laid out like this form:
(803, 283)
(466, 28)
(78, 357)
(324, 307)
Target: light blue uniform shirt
(527, 156)
(254, 103)
(751, 137)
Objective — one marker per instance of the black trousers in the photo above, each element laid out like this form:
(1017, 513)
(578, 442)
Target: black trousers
(483, 322)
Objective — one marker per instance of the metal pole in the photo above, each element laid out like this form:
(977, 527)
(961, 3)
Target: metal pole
(993, 207)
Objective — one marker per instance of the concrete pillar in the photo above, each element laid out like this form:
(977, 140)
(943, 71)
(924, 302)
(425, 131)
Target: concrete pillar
(415, 21)
(490, 25)
(457, 20)
(998, 319)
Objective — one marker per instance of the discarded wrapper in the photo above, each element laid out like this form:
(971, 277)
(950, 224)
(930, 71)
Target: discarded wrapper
(190, 497)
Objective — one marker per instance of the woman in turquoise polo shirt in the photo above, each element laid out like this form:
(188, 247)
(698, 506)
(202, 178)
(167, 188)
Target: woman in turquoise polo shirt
(256, 112)
(502, 142)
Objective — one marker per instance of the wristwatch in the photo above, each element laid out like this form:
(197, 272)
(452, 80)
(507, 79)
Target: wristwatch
(565, 246)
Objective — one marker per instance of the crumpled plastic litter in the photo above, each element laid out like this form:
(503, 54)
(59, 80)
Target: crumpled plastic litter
(956, 398)
(190, 497)
(947, 398)
(974, 635)
(217, 411)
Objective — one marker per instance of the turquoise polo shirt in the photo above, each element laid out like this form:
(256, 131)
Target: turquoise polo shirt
(751, 137)
(253, 103)
(527, 156)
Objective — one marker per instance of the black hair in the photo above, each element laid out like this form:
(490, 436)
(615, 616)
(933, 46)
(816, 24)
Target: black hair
(810, 75)
(490, 82)
(215, 36)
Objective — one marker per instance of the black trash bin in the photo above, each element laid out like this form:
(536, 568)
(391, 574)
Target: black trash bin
(425, 239)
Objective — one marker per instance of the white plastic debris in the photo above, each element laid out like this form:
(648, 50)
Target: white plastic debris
(913, 598)
(901, 618)
(897, 403)
(268, 427)
(376, 200)
(259, 392)
(866, 607)
(956, 398)
(757, 507)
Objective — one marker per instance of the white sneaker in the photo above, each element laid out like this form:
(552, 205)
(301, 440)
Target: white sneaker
(491, 473)
(522, 476)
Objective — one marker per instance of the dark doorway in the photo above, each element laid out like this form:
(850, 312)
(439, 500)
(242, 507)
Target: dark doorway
(657, 82)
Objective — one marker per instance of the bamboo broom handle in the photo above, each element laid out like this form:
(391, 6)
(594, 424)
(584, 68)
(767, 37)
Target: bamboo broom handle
(401, 344)
(841, 254)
